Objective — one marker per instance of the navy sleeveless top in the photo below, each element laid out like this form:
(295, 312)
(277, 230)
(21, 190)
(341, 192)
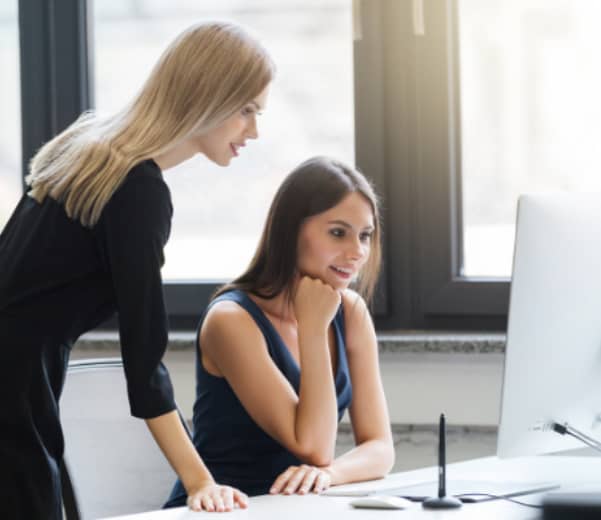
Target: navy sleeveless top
(235, 449)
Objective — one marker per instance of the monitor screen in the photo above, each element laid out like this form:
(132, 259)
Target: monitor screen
(553, 354)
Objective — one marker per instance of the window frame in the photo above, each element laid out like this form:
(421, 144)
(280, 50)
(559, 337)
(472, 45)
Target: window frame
(406, 105)
(56, 69)
(421, 163)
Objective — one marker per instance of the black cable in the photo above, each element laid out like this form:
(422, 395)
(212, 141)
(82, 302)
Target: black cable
(501, 497)
(566, 429)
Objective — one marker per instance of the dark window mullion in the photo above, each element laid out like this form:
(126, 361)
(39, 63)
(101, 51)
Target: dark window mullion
(398, 45)
(36, 84)
(72, 63)
(444, 293)
(434, 169)
(369, 122)
(54, 69)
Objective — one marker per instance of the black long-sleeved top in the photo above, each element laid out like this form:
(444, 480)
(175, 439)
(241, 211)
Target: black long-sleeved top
(59, 279)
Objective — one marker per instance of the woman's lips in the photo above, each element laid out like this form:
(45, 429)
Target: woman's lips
(341, 272)
(236, 147)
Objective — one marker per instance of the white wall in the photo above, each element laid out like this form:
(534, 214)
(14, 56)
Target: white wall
(418, 386)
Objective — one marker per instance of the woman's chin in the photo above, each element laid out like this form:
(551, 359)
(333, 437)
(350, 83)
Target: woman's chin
(339, 285)
(219, 161)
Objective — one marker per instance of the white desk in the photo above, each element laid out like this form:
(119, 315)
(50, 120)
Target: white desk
(570, 472)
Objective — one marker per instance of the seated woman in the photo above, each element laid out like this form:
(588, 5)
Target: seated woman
(287, 347)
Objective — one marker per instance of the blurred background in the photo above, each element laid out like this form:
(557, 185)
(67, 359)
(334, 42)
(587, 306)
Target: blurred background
(530, 113)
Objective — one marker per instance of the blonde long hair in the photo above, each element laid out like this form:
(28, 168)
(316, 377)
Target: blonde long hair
(208, 73)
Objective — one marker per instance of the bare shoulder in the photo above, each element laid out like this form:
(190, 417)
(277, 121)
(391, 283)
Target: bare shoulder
(226, 324)
(359, 328)
(354, 305)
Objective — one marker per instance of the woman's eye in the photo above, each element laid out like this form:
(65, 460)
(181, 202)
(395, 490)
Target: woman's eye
(338, 233)
(247, 111)
(365, 237)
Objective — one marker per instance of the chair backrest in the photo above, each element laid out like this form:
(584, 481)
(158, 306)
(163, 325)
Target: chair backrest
(112, 465)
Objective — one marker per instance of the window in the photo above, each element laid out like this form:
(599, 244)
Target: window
(480, 100)
(10, 123)
(452, 107)
(530, 114)
(310, 112)
(408, 135)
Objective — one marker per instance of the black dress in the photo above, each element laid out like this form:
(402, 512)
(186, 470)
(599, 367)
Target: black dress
(58, 280)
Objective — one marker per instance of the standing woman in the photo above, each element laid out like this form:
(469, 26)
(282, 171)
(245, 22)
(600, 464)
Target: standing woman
(87, 240)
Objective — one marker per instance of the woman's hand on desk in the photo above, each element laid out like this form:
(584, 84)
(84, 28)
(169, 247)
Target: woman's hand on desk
(302, 479)
(214, 497)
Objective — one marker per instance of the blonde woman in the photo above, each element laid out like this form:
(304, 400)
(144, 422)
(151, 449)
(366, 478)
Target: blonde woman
(86, 241)
(286, 348)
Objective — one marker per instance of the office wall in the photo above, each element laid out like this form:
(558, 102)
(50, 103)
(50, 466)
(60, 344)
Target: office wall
(418, 386)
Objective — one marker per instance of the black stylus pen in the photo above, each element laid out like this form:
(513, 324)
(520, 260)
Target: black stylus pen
(442, 442)
(442, 501)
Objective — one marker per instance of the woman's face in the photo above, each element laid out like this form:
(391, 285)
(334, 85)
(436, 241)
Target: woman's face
(224, 142)
(334, 245)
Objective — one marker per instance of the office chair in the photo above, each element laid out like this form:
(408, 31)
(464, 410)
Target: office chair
(112, 464)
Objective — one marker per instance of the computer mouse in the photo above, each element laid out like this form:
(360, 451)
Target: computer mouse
(381, 502)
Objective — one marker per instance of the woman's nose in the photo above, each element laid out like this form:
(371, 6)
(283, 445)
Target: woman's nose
(355, 249)
(252, 132)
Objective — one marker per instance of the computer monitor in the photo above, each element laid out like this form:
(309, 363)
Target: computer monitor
(553, 352)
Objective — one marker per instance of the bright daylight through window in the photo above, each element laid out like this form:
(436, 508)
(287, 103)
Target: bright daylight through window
(219, 212)
(531, 114)
(10, 108)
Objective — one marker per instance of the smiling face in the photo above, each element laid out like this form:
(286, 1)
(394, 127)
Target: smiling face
(223, 142)
(334, 245)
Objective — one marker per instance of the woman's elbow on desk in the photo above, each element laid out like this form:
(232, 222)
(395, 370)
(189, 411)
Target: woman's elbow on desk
(390, 456)
(319, 460)
(382, 457)
(368, 460)
(315, 456)
(387, 455)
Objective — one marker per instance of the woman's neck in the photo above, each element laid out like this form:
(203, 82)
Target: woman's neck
(280, 306)
(177, 154)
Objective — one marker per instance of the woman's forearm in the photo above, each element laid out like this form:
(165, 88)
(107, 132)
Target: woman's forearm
(317, 410)
(177, 447)
(370, 460)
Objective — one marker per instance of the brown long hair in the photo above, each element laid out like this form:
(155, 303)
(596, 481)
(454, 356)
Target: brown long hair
(315, 186)
(207, 73)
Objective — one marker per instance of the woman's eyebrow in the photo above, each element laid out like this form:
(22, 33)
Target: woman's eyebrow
(347, 225)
